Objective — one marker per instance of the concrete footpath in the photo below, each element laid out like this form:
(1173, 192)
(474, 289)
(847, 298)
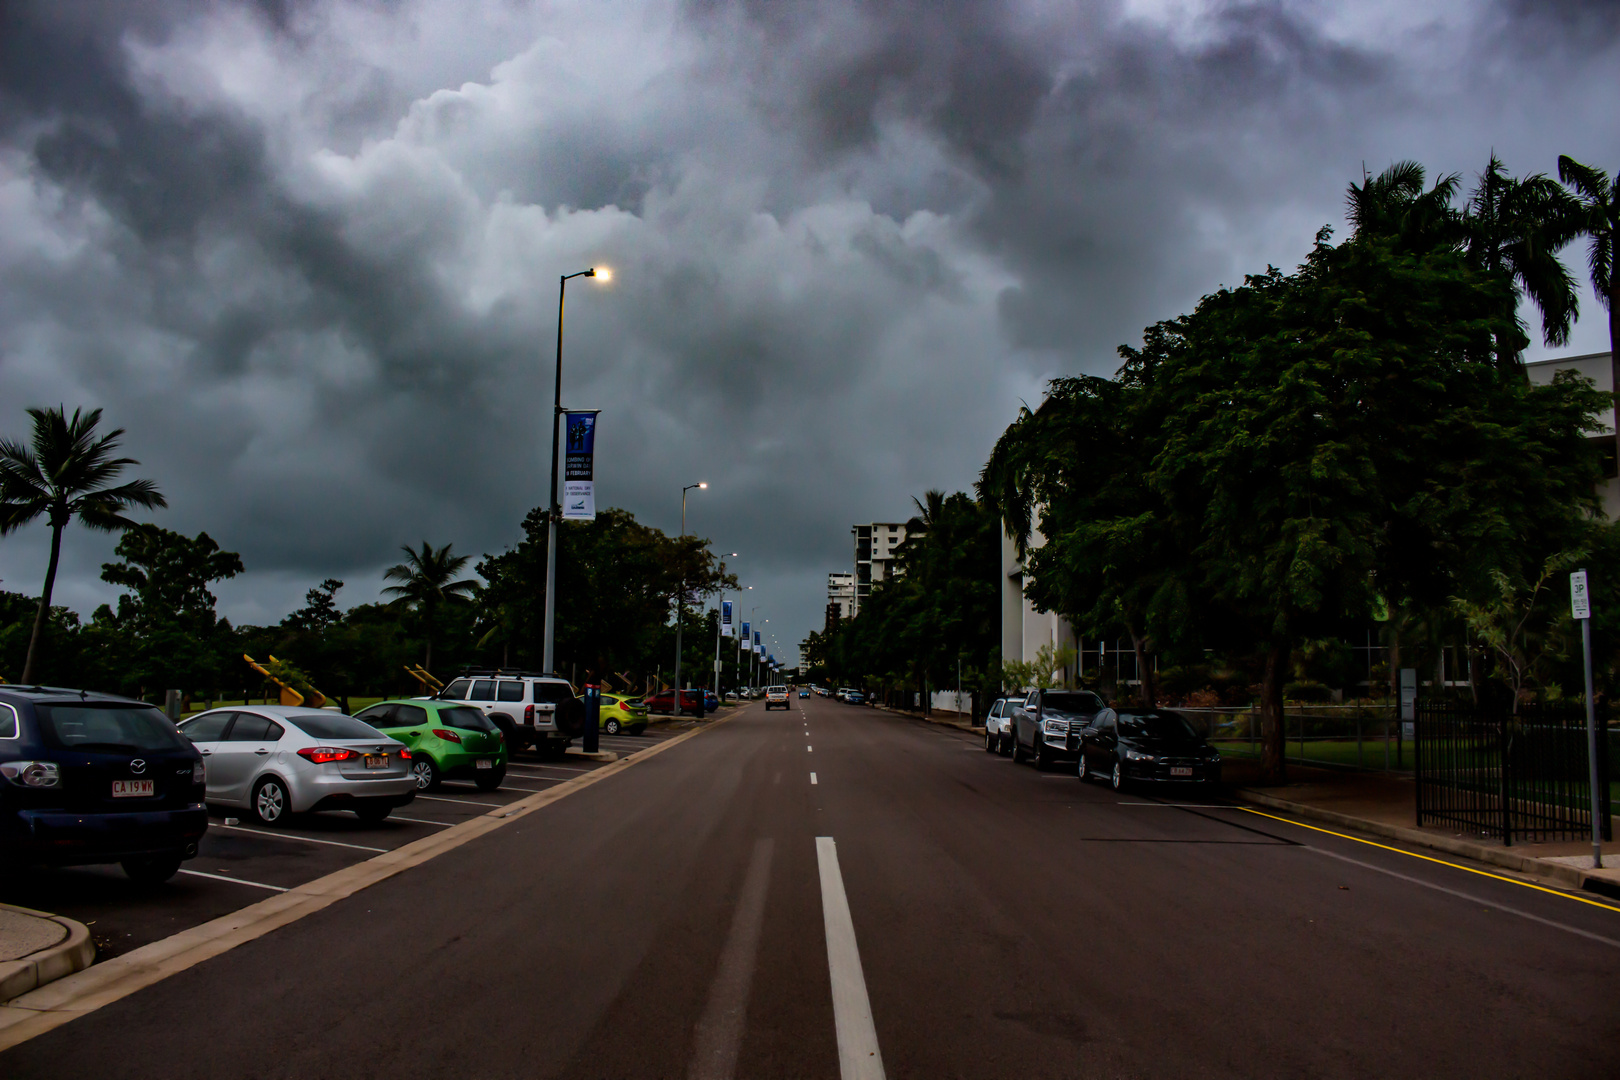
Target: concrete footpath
(37, 948)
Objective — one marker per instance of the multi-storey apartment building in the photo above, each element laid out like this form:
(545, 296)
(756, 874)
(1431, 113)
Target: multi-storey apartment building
(875, 557)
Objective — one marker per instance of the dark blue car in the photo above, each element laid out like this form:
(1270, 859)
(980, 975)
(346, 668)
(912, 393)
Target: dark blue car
(87, 778)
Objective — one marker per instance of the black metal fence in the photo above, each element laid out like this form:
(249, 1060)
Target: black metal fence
(1524, 776)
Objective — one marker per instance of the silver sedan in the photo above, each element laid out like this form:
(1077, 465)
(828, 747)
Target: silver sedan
(275, 760)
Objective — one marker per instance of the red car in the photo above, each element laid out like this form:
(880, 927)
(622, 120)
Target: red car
(664, 701)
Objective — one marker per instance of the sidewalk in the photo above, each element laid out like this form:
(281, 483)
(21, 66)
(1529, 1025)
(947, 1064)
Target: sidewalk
(36, 948)
(1385, 804)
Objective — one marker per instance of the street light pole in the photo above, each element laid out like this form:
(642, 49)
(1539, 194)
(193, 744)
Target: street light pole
(680, 600)
(548, 649)
(719, 613)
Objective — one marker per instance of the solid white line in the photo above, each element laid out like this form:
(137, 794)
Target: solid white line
(461, 802)
(809, 749)
(812, 778)
(423, 821)
(233, 880)
(858, 1057)
(554, 768)
(295, 836)
(719, 1032)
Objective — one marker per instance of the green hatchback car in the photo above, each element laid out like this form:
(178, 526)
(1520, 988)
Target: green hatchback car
(447, 740)
(621, 712)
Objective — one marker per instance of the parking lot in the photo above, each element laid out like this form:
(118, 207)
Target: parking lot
(241, 862)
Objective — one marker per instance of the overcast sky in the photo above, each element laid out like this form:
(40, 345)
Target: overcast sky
(307, 252)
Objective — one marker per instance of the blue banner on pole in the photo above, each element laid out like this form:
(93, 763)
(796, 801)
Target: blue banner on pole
(725, 618)
(579, 466)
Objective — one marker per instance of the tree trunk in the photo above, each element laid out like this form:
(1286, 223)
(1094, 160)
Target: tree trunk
(427, 612)
(1475, 670)
(1614, 352)
(1273, 768)
(1148, 690)
(44, 611)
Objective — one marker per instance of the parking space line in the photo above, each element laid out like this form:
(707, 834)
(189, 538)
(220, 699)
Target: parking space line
(463, 802)
(296, 836)
(812, 778)
(423, 821)
(233, 880)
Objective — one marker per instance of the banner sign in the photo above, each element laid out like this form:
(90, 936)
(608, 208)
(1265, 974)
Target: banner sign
(725, 618)
(579, 466)
(745, 633)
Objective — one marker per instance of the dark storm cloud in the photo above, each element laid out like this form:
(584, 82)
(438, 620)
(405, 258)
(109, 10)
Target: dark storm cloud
(307, 252)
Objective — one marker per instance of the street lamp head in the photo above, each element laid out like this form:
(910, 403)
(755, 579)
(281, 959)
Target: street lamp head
(603, 272)
(703, 485)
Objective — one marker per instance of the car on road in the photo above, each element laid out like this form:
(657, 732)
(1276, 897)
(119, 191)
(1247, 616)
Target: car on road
(1048, 725)
(278, 760)
(88, 778)
(998, 725)
(804, 693)
(776, 697)
(1147, 744)
(854, 697)
(530, 708)
(622, 712)
(446, 740)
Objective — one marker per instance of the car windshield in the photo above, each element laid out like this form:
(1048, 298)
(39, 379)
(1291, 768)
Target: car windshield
(1166, 726)
(553, 692)
(466, 718)
(107, 728)
(1071, 704)
(334, 726)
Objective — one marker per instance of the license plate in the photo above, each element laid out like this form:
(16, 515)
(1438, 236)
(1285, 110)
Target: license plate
(124, 789)
(1180, 770)
(376, 761)
(485, 763)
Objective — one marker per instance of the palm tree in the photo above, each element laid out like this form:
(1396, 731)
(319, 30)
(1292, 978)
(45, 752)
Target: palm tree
(425, 578)
(1394, 204)
(66, 474)
(1513, 230)
(1600, 221)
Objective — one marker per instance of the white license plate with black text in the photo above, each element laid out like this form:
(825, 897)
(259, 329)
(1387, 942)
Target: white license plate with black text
(485, 763)
(126, 789)
(1180, 770)
(376, 761)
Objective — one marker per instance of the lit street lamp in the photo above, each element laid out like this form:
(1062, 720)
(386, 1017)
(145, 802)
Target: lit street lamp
(548, 657)
(680, 601)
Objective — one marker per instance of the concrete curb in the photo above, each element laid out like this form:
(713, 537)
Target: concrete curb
(960, 725)
(600, 755)
(73, 953)
(1569, 876)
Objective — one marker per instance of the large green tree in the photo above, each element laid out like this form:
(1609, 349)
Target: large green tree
(66, 474)
(427, 582)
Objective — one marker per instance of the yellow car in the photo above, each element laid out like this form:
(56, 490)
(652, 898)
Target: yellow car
(622, 712)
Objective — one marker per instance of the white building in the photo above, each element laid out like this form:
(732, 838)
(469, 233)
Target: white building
(841, 594)
(1025, 631)
(875, 558)
(1599, 367)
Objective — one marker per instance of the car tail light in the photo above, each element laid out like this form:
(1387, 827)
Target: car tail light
(528, 714)
(199, 772)
(404, 754)
(447, 736)
(320, 755)
(34, 774)
(625, 705)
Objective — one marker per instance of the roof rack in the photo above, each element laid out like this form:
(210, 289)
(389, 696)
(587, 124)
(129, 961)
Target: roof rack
(510, 673)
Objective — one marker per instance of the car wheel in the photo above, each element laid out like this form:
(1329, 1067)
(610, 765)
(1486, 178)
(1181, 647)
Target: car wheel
(611, 727)
(1080, 770)
(1043, 755)
(151, 869)
(1018, 754)
(426, 773)
(1005, 746)
(510, 735)
(990, 741)
(1118, 778)
(490, 780)
(372, 814)
(270, 804)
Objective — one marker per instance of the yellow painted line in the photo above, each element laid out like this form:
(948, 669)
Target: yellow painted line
(1427, 858)
(69, 998)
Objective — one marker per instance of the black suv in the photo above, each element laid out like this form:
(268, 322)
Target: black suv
(1048, 726)
(87, 778)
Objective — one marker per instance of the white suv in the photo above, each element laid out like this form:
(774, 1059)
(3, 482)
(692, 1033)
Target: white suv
(530, 709)
(774, 696)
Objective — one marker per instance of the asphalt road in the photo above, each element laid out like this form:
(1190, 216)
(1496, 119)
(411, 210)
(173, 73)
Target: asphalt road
(681, 919)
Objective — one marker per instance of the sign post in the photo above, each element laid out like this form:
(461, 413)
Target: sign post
(1580, 606)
